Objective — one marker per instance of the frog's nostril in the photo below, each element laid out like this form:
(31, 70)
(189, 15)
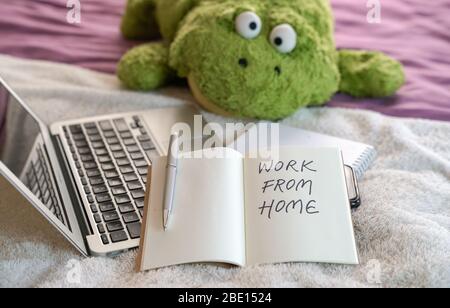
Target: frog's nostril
(278, 70)
(243, 62)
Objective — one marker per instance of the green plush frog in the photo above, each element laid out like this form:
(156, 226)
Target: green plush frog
(260, 59)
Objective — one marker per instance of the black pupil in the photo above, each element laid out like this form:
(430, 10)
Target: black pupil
(278, 41)
(253, 26)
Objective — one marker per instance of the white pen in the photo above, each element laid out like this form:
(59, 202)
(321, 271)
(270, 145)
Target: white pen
(171, 178)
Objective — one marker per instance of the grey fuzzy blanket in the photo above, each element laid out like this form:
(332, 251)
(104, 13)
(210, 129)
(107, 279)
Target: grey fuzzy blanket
(402, 229)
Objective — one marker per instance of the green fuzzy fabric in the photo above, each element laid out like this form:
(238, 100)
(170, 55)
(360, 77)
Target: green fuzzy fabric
(153, 58)
(139, 20)
(369, 74)
(204, 46)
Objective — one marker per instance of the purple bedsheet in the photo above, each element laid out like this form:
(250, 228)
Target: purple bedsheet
(414, 31)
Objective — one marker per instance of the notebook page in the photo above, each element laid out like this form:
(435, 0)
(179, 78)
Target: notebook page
(299, 210)
(207, 222)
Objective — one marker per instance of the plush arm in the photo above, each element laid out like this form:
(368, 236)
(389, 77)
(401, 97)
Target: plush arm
(369, 74)
(145, 67)
(139, 20)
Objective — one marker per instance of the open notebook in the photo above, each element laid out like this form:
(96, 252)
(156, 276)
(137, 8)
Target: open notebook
(246, 211)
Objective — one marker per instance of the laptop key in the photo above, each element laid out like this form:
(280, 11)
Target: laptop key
(110, 216)
(86, 158)
(105, 240)
(116, 148)
(96, 181)
(137, 156)
(97, 218)
(126, 135)
(123, 162)
(115, 182)
(126, 208)
(134, 185)
(111, 174)
(81, 144)
(92, 131)
(119, 155)
(120, 190)
(101, 228)
(90, 125)
(133, 149)
(148, 146)
(130, 177)
(104, 159)
(94, 209)
(110, 134)
(100, 152)
(114, 226)
(140, 163)
(143, 138)
(95, 138)
(143, 171)
(129, 141)
(90, 165)
(112, 140)
(103, 198)
(130, 217)
(93, 173)
(106, 207)
(121, 125)
(87, 190)
(106, 125)
(98, 145)
(138, 194)
(118, 236)
(108, 167)
(84, 151)
(122, 199)
(74, 129)
(79, 137)
(90, 199)
(126, 169)
(139, 203)
(99, 189)
(134, 229)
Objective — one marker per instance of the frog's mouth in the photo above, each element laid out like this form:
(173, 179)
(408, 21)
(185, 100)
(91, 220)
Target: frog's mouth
(203, 101)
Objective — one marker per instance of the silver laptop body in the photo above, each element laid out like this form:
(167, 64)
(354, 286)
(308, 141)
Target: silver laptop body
(86, 176)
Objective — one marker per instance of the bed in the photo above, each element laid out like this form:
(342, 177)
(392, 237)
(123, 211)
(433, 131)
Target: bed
(413, 31)
(403, 226)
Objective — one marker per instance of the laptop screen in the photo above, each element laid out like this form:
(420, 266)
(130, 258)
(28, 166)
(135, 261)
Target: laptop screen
(24, 152)
(18, 133)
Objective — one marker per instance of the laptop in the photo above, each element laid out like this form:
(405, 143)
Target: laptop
(86, 176)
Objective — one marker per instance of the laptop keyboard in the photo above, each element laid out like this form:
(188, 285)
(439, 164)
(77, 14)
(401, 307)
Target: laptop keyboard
(112, 159)
(40, 183)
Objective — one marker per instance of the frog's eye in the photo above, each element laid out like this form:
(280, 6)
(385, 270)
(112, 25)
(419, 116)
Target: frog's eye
(248, 25)
(284, 38)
